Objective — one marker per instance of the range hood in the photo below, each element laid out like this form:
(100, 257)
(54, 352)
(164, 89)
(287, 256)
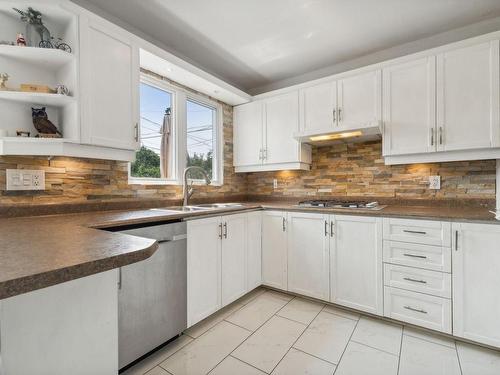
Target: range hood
(341, 134)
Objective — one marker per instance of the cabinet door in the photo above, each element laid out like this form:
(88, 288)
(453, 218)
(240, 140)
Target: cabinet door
(308, 254)
(203, 268)
(318, 105)
(409, 110)
(254, 250)
(248, 134)
(467, 101)
(109, 86)
(356, 263)
(274, 249)
(475, 265)
(233, 268)
(360, 100)
(282, 122)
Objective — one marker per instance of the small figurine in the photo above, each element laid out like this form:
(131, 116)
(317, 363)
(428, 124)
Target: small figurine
(42, 123)
(62, 90)
(20, 40)
(4, 77)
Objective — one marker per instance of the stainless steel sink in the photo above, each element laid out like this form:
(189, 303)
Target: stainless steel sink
(199, 207)
(219, 205)
(176, 209)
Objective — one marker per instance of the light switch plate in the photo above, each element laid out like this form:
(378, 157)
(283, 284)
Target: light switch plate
(25, 179)
(275, 183)
(435, 182)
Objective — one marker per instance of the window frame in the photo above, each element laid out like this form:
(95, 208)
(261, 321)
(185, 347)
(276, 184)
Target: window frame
(218, 138)
(180, 97)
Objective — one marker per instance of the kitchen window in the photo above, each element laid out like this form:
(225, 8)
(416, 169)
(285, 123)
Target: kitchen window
(177, 129)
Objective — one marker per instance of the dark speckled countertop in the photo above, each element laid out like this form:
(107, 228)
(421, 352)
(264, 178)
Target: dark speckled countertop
(40, 251)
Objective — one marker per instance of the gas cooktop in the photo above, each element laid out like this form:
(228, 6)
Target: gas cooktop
(328, 203)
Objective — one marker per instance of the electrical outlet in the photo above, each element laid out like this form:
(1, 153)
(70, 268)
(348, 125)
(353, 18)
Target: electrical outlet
(435, 182)
(275, 183)
(25, 179)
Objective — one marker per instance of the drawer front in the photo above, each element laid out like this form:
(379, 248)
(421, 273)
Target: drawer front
(419, 309)
(435, 258)
(418, 231)
(418, 280)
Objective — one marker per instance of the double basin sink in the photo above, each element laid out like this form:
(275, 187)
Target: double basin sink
(199, 207)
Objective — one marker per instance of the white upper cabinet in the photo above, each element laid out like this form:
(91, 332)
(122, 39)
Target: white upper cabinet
(352, 102)
(318, 106)
(308, 254)
(282, 122)
(274, 249)
(264, 135)
(444, 107)
(109, 85)
(476, 301)
(359, 101)
(248, 134)
(467, 97)
(409, 111)
(356, 262)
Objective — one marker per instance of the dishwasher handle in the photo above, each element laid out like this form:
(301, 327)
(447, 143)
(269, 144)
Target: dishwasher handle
(176, 237)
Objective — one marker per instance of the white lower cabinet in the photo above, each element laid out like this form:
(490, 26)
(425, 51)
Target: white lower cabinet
(254, 250)
(274, 249)
(416, 308)
(203, 268)
(356, 262)
(216, 264)
(68, 328)
(233, 259)
(308, 254)
(403, 269)
(476, 277)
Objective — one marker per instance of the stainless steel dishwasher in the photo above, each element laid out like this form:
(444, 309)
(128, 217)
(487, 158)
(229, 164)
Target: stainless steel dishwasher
(152, 294)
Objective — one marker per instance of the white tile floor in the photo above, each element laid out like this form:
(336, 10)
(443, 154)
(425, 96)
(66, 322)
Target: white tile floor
(267, 332)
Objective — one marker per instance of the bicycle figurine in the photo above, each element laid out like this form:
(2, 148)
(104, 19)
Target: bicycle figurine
(55, 43)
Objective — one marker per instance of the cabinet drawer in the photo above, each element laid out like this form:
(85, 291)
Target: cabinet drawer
(423, 281)
(418, 231)
(436, 258)
(417, 308)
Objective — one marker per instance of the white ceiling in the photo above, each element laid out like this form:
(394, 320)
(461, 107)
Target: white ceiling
(255, 44)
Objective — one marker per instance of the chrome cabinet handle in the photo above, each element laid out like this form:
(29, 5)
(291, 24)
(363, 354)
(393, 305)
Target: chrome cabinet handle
(331, 228)
(284, 225)
(225, 230)
(334, 116)
(414, 309)
(456, 240)
(340, 115)
(220, 231)
(326, 228)
(440, 135)
(260, 154)
(136, 130)
(415, 256)
(264, 154)
(432, 137)
(415, 280)
(414, 231)
(119, 278)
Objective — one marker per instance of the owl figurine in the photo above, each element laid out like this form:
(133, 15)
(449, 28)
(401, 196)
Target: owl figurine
(42, 123)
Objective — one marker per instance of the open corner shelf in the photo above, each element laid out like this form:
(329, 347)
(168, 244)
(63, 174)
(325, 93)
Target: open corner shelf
(37, 98)
(51, 56)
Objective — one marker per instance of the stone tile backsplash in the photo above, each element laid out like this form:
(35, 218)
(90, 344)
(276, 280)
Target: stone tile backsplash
(358, 170)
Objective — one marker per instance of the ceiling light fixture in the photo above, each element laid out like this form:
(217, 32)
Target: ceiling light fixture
(330, 137)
